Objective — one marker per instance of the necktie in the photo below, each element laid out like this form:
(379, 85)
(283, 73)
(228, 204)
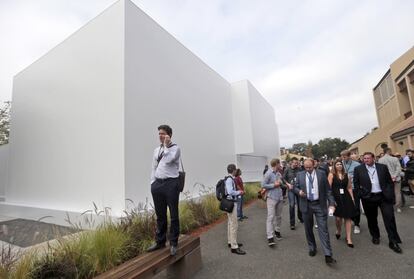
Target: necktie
(310, 192)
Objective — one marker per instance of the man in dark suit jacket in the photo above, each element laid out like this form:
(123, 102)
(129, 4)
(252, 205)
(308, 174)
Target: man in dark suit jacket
(376, 189)
(314, 191)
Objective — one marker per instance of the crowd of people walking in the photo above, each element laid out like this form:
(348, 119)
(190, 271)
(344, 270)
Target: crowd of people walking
(315, 189)
(344, 188)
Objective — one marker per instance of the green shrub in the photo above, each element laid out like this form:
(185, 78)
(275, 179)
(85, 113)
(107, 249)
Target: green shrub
(109, 246)
(251, 189)
(211, 206)
(187, 220)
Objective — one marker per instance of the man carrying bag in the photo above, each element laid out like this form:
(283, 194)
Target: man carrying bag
(231, 196)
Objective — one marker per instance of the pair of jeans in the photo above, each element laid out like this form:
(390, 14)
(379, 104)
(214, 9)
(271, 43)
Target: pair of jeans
(294, 200)
(165, 193)
(240, 207)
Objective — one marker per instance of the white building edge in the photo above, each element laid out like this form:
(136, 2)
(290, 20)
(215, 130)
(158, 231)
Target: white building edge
(85, 118)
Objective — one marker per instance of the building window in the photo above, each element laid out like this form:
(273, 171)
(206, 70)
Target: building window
(384, 91)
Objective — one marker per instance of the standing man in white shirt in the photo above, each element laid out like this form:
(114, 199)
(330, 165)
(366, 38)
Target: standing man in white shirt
(164, 189)
(232, 225)
(394, 167)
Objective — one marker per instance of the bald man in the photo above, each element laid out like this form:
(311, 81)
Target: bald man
(314, 192)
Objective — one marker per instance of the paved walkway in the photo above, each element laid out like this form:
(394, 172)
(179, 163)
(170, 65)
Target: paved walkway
(290, 258)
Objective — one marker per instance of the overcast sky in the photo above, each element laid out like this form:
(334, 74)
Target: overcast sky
(315, 61)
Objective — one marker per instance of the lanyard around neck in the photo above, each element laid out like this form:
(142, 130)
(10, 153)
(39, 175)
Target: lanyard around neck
(311, 178)
(373, 173)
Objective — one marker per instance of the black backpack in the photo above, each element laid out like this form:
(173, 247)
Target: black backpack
(221, 188)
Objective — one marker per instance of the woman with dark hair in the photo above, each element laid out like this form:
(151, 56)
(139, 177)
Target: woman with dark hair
(344, 198)
(239, 186)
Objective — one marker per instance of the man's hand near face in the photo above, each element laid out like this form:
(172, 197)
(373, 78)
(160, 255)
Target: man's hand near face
(167, 140)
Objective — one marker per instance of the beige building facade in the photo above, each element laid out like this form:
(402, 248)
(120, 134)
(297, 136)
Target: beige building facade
(394, 105)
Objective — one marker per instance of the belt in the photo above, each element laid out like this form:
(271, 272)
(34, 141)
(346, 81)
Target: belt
(376, 194)
(165, 179)
(314, 201)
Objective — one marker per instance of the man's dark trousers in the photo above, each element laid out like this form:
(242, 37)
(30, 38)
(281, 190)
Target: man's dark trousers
(387, 209)
(294, 200)
(357, 218)
(165, 193)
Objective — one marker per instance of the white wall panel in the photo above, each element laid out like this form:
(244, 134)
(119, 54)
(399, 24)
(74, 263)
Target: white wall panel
(67, 122)
(165, 83)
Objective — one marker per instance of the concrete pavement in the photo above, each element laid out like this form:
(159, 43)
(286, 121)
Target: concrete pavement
(289, 259)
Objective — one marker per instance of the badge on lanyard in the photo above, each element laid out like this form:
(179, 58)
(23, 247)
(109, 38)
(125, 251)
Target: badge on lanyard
(313, 191)
(341, 191)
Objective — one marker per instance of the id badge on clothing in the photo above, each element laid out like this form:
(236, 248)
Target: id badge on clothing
(313, 191)
(341, 191)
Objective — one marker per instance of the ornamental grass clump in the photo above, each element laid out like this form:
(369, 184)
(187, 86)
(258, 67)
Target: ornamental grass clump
(139, 224)
(211, 207)
(251, 190)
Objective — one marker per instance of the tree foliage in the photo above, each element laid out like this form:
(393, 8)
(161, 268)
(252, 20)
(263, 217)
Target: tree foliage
(299, 148)
(330, 147)
(5, 123)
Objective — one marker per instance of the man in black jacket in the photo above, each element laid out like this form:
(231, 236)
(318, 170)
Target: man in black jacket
(377, 190)
(289, 177)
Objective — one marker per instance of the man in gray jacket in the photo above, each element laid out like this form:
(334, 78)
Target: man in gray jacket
(394, 167)
(314, 191)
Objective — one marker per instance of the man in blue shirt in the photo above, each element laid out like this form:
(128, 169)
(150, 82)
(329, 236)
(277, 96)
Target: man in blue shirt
(231, 194)
(272, 182)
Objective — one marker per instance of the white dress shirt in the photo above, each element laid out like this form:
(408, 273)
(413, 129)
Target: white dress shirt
(169, 164)
(309, 187)
(373, 176)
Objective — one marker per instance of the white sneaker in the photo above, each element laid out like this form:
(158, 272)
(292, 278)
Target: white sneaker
(412, 207)
(357, 230)
(399, 210)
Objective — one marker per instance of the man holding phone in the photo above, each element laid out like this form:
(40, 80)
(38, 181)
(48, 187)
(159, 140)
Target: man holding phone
(165, 190)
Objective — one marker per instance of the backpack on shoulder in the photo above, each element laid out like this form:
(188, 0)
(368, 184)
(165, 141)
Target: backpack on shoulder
(221, 189)
(225, 204)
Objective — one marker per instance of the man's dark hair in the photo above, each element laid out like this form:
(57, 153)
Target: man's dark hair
(231, 168)
(369, 153)
(387, 149)
(294, 159)
(166, 128)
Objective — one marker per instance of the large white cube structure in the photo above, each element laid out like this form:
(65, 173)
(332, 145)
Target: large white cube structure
(85, 116)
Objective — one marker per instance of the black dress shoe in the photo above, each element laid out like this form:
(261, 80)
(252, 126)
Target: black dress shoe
(155, 246)
(292, 227)
(329, 260)
(173, 250)
(312, 253)
(238, 244)
(376, 241)
(338, 236)
(238, 251)
(395, 248)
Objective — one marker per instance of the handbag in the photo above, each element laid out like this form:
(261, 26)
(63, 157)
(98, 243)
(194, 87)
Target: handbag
(226, 205)
(262, 194)
(181, 177)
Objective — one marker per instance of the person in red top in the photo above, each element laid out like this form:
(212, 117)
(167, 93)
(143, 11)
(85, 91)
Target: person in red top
(239, 185)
